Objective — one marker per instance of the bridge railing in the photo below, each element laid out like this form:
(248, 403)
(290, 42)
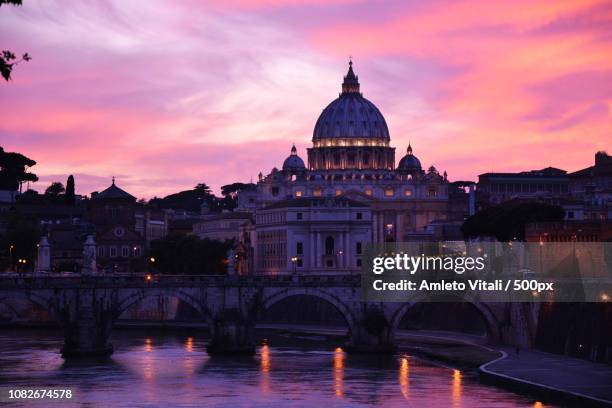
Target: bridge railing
(39, 281)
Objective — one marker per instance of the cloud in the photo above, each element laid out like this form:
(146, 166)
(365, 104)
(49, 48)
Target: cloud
(170, 94)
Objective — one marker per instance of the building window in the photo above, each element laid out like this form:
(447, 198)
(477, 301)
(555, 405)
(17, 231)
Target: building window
(125, 251)
(358, 248)
(101, 251)
(298, 216)
(389, 192)
(359, 262)
(274, 191)
(113, 252)
(136, 251)
(329, 246)
(368, 192)
(570, 214)
(317, 192)
(359, 215)
(432, 192)
(300, 263)
(299, 248)
(338, 192)
(298, 193)
(408, 193)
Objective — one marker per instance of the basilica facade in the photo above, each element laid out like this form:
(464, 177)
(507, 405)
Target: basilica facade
(318, 216)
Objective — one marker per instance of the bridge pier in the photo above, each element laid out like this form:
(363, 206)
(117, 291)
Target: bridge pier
(231, 334)
(372, 334)
(87, 326)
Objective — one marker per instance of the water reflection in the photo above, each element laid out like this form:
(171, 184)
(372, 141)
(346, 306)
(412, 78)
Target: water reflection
(265, 368)
(170, 370)
(148, 345)
(404, 377)
(456, 393)
(338, 371)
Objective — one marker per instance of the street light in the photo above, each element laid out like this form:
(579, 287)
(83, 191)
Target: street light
(294, 260)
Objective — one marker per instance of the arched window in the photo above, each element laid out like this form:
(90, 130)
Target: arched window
(329, 246)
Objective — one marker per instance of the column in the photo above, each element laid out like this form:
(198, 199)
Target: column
(311, 249)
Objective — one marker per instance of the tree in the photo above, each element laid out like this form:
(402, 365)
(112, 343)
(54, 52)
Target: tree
(507, 221)
(234, 188)
(189, 200)
(8, 59)
(203, 189)
(69, 197)
(13, 170)
(55, 189)
(190, 255)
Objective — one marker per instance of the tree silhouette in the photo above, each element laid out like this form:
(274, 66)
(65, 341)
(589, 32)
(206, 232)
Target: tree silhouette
(13, 170)
(70, 190)
(55, 189)
(506, 222)
(8, 59)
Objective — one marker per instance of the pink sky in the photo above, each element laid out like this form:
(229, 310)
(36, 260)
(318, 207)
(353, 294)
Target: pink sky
(164, 95)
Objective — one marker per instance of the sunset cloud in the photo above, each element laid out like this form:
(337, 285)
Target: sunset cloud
(171, 94)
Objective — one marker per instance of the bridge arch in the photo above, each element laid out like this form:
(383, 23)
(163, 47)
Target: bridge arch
(136, 296)
(339, 305)
(41, 301)
(491, 323)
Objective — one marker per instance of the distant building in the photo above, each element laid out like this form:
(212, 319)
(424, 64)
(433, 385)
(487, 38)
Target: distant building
(593, 187)
(124, 228)
(312, 234)
(549, 184)
(223, 226)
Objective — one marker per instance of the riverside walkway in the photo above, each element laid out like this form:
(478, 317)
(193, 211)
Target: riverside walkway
(560, 378)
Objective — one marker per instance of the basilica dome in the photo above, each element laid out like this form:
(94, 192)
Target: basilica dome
(352, 117)
(409, 162)
(293, 162)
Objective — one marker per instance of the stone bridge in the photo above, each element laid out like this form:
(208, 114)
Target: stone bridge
(87, 306)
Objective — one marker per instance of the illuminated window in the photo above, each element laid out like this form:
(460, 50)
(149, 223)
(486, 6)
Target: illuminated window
(389, 192)
(338, 192)
(298, 193)
(368, 191)
(317, 192)
(408, 193)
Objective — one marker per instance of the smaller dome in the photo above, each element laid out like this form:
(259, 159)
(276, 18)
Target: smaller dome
(293, 162)
(409, 162)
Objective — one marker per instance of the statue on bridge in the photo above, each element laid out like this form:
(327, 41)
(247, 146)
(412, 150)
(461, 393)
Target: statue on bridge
(89, 256)
(43, 263)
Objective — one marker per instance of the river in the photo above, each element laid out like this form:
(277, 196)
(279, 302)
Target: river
(165, 370)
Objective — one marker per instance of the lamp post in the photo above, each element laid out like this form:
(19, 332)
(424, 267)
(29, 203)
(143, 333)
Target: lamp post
(294, 260)
(11, 257)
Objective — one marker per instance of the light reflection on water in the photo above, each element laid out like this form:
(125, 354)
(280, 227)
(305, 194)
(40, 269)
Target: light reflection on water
(174, 370)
